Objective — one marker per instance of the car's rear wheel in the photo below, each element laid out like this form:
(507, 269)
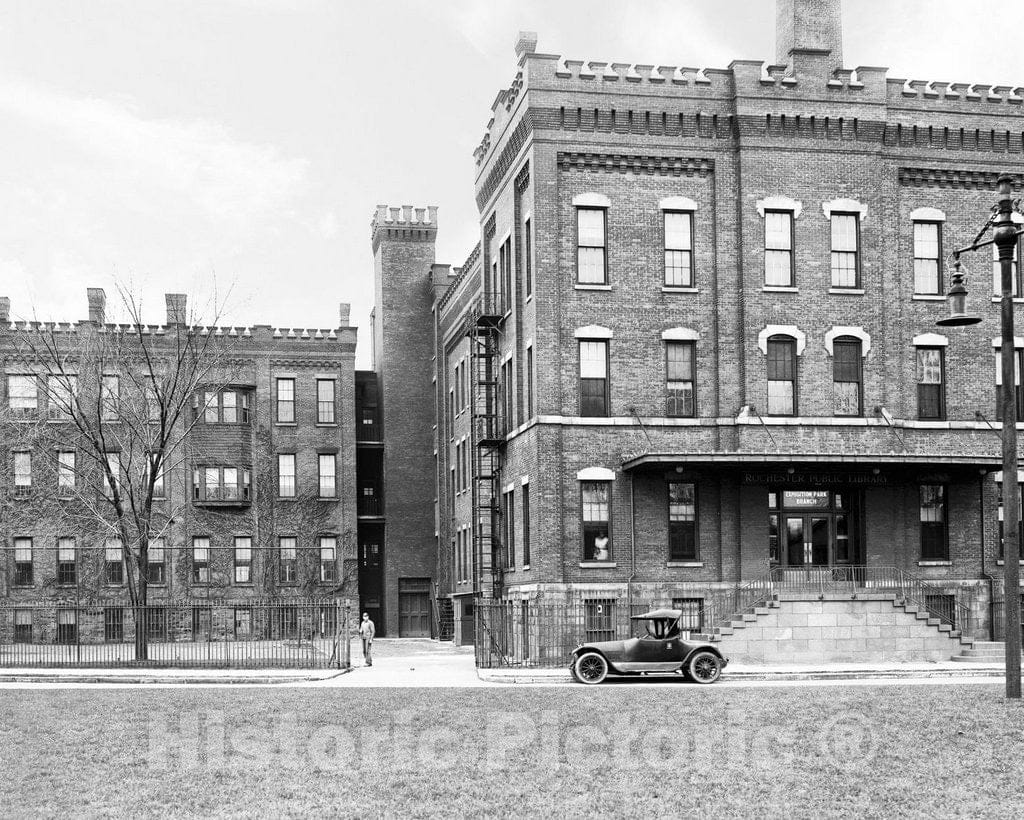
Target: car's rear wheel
(705, 667)
(590, 668)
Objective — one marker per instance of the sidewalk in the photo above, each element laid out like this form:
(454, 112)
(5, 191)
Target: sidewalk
(133, 675)
(784, 672)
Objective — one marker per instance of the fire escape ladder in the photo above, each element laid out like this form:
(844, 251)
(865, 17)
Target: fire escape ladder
(488, 441)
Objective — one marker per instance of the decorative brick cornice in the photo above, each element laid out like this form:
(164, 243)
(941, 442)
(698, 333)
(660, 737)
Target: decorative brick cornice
(504, 161)
(636, 164)
(953, 178)
(523, 177)
(490, 227)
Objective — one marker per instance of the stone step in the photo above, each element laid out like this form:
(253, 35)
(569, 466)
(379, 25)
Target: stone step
(990, 645)
(968, 659)
(761, 610)
(974, 652)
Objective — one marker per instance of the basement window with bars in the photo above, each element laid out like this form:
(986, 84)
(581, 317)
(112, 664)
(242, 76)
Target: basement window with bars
(599, 619)
(692, 619)
(113, 624)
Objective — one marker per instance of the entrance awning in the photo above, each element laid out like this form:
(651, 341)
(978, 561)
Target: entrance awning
(864, 460)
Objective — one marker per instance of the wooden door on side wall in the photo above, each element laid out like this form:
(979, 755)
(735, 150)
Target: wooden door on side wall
(414, 607)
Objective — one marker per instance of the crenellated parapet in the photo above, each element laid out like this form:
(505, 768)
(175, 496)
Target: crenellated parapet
(255, 332)
(403, 222)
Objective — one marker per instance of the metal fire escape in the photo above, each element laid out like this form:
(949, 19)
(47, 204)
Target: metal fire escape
(488, 442)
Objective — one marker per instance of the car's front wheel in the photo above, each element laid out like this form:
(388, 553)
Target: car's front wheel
(590, 668)
(705, 667)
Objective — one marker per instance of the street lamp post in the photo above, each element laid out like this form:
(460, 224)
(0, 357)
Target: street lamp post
(1004, 236)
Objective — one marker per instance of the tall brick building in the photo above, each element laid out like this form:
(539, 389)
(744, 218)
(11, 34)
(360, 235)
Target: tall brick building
(697, 340)
(257, 503)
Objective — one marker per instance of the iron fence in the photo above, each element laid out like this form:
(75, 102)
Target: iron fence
(299, 633)
(544, 633)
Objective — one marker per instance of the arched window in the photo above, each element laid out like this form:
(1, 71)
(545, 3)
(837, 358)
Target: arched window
(782, 394)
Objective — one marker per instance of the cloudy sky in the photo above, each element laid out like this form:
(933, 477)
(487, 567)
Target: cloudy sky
(241, 145)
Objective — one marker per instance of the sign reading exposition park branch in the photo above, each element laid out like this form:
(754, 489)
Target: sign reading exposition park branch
(815, 479)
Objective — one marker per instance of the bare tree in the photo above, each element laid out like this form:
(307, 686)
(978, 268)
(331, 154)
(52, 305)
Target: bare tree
(102, 416)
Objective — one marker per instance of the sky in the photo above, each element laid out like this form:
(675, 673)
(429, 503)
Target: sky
(235, 150)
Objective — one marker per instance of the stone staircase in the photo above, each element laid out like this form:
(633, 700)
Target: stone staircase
(797, 628)
(983, 652)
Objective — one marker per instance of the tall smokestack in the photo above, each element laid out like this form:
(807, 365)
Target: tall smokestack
(808, 25)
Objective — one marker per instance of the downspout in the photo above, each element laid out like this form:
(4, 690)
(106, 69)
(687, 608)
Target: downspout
(632, 545)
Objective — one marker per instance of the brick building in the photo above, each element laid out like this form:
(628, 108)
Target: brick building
(257, 503)
(697, 341)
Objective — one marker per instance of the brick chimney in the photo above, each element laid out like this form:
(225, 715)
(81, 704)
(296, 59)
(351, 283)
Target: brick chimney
(97, 305)
(5, 310)
(809, 26)
(177, 308)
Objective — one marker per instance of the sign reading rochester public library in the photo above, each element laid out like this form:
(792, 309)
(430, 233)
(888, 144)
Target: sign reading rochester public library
(815, 479)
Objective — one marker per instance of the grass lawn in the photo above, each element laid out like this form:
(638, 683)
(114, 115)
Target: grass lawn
(649, 750)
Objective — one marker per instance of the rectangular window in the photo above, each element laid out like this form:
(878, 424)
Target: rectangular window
(211, 411)
(110, 398)
(682, 521)
(327, 471)
(229, 407)
(286, 401)
(505, 260)
(528, 382)
(927, 253)
(781, 376)
(200, 560)
(287, 560)
(22, 395)
(328, 562)
(67, 562)
(679, 388)
(60, 396)
(508, 512)
(526, 525)
(22, 473)
(599, 619)
(67, 626)
(997, 273)
(778, 248)
(243, 559)
(159, 484)
(156, 568)
(596, 519)
(678, 230)
(325, 401)
(528, 256)
(23, 562)
(113, 623)
(508, 392)
(845, 241)
(934, 542)
(23, 626)
(114, 468)
(156, 623)
(243, 623)
(591, 268)
(931, 394)
(847, 377)
(593, 378)
(113, 554)
(286, 475)
(692, 619)
(1018, 368)
(65, 472)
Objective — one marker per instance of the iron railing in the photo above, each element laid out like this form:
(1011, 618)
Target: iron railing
(544, 633)
(301, 633)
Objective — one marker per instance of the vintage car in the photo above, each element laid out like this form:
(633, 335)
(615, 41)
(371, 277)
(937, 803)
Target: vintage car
(661, 649)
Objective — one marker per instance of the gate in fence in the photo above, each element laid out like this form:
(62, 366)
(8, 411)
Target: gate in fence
(294, 633)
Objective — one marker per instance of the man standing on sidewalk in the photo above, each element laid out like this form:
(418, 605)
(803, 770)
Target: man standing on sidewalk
(366, 632)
